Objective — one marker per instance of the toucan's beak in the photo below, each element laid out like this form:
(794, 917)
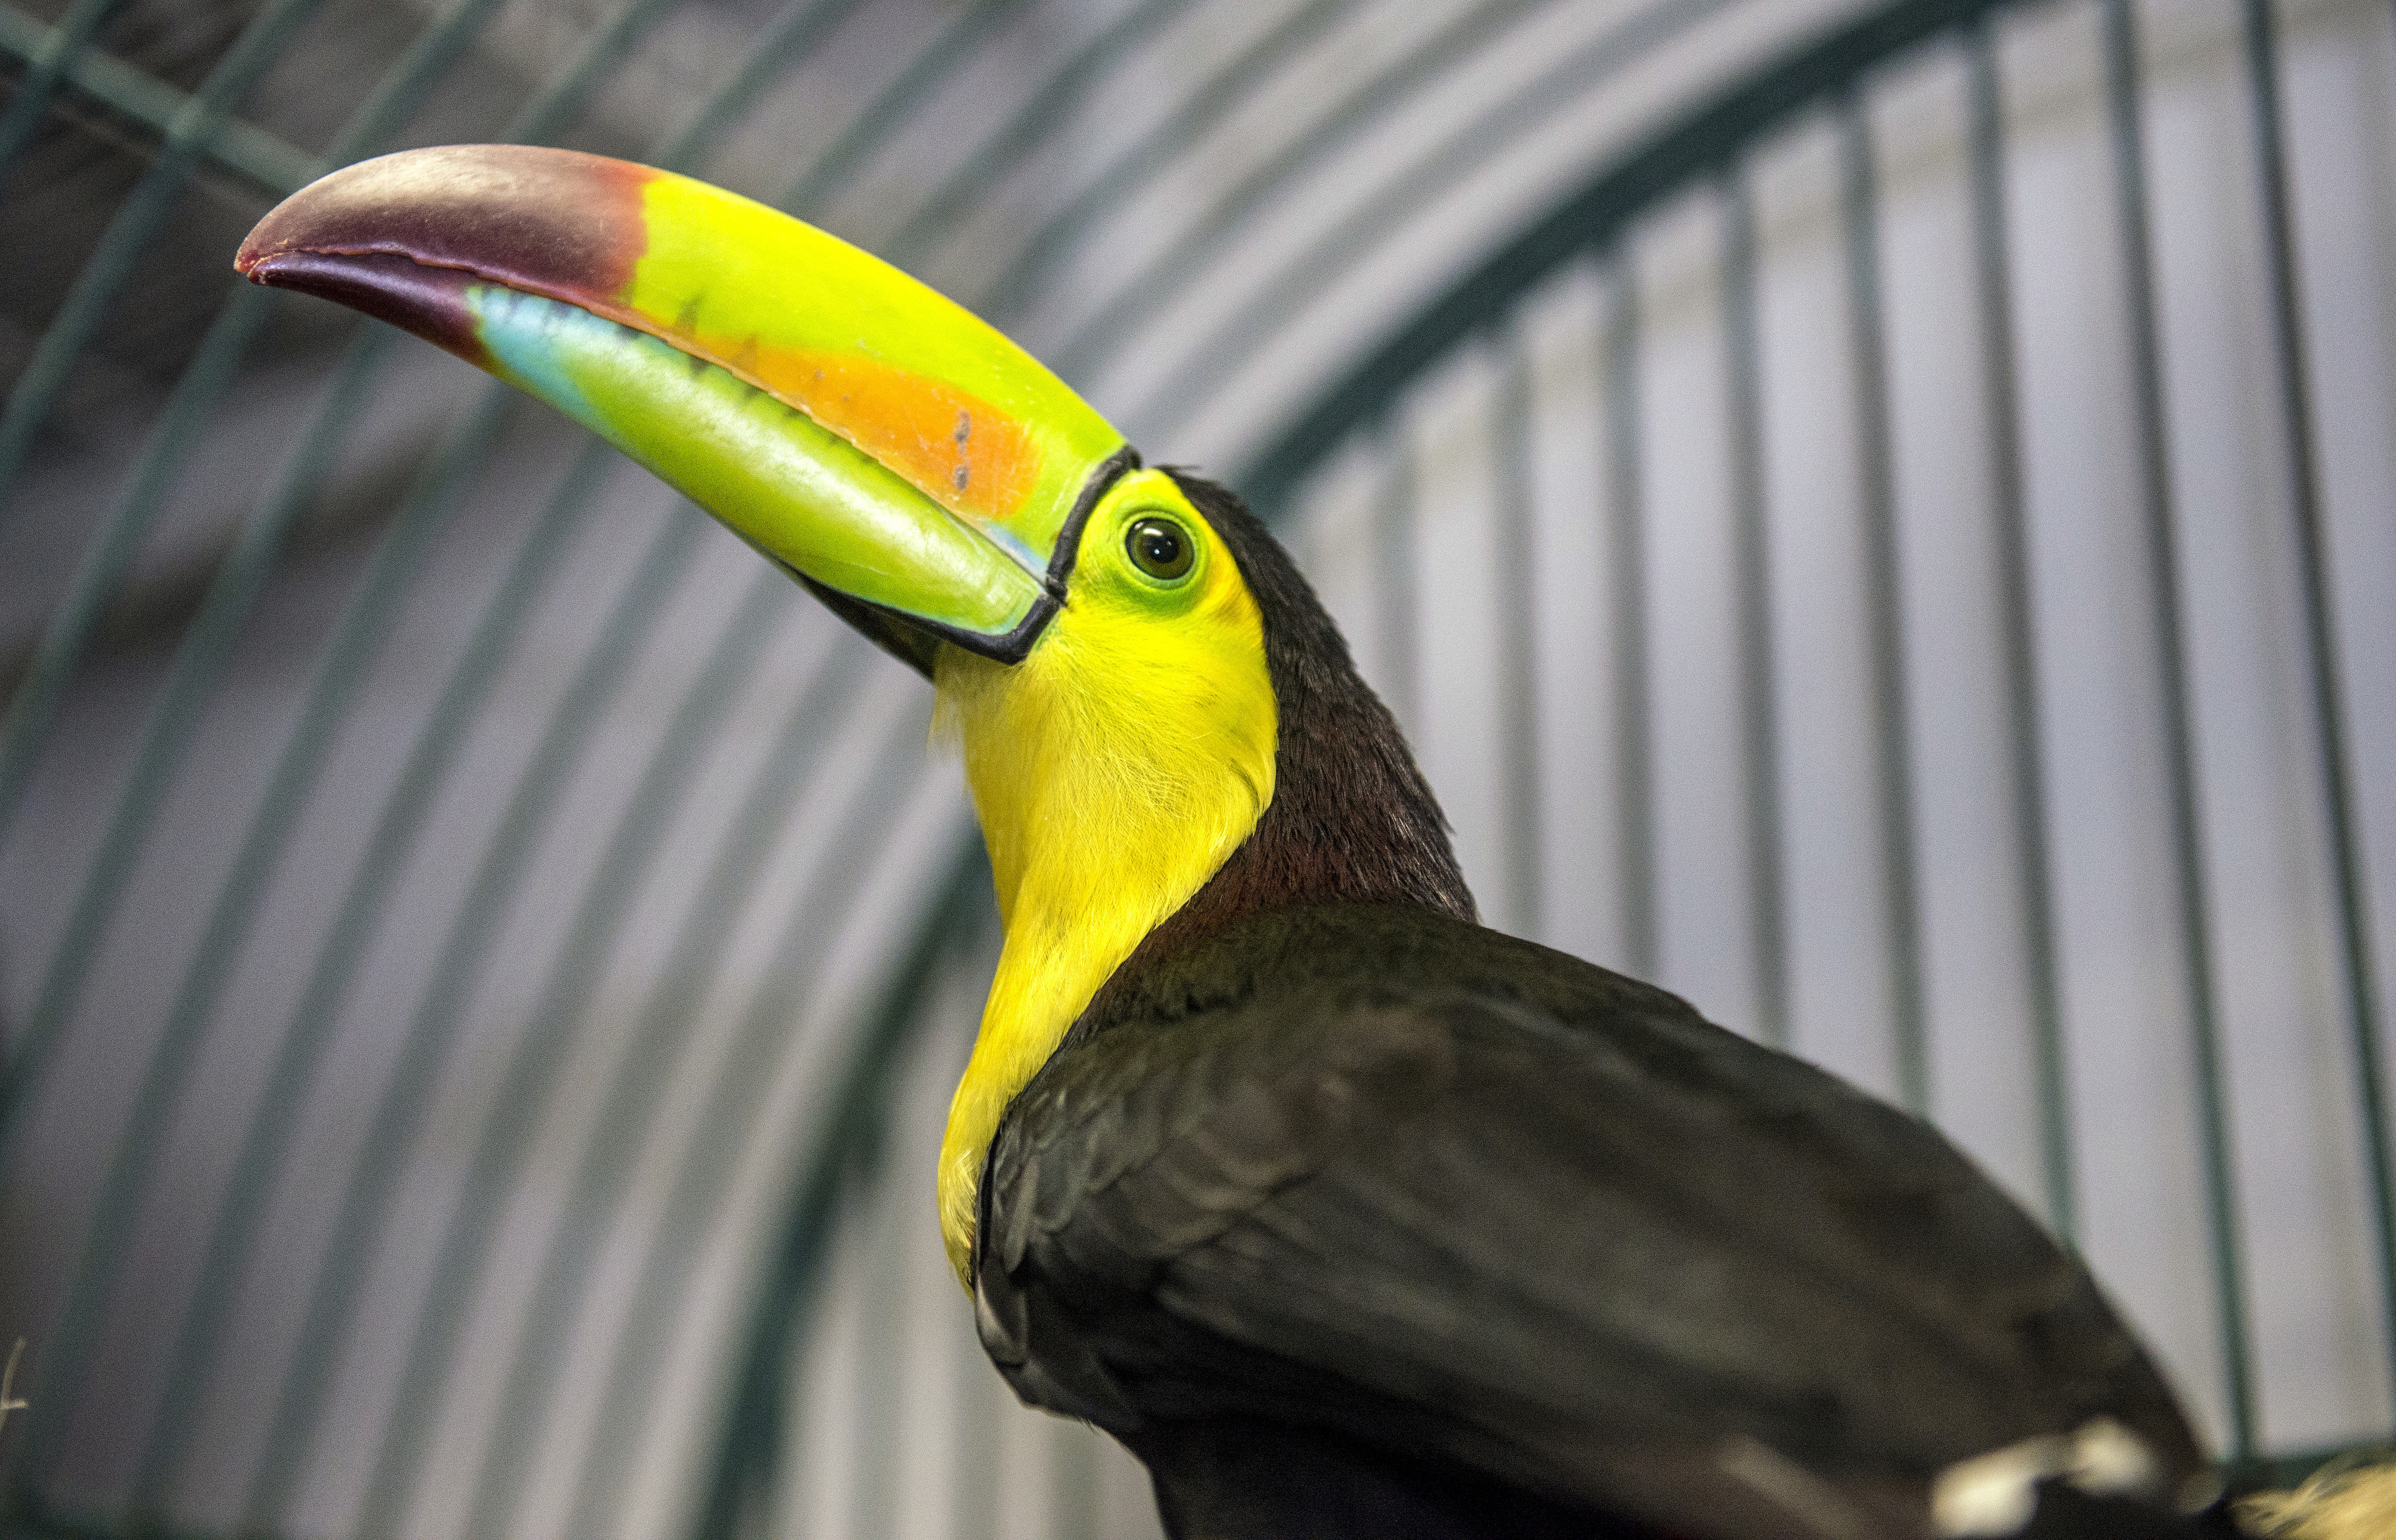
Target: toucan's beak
(872, 436)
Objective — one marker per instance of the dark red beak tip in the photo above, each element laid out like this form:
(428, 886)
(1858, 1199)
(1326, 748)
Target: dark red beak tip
(547, 221)
(428, 301)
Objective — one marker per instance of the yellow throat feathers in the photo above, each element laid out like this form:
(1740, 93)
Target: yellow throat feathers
(1115, 770)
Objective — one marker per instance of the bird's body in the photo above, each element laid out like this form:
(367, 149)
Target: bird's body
(1350, 1216)
(1372, 1179)
(1459, 1234)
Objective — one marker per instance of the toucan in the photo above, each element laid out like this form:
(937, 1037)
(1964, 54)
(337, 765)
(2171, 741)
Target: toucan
(1346, 1216)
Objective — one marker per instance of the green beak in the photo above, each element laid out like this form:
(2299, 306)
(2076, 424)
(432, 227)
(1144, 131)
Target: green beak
(920, 472)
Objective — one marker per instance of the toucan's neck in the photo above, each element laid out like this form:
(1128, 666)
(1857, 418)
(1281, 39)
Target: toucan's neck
(1352, 818)
(1140, 789)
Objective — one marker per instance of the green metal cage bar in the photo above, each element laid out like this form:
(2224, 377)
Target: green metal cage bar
(1993, 293)
(942, 212)
(1206, 231)
(2331, 754)
(1266, 315)
(951, 50)
(1868, 353)
(432, 1027)
(533, 1071)
(62, 55)
(106, 585)
(1590, 220)
(1759, 745)
(1202, 110)
(758, 1413)
(1516, 602)
(2193, 900)
(730, 1109)
(1027, 132)
(47, 54)
(1712, 136)
(627, 1116)
(1635, 760)
(415, 71)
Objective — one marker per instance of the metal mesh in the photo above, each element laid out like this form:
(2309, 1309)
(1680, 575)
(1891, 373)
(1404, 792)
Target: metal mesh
(1837, 712)
(476, 951)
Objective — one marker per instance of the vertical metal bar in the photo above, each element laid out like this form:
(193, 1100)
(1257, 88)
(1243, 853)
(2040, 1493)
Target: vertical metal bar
(1277, 305)
(521, 1098)
(1626, 515)
(1992, 269)
(1742, 380)
(67, 43)
(1396, 554)
(1518, 685)
(749, 1502)
(1883, 580)
(2320, 650)
(2120, 53)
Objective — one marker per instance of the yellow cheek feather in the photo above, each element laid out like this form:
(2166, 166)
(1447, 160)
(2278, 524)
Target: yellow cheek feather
(1115, 770)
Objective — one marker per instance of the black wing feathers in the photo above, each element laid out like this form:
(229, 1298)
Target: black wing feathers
(1453, 1193)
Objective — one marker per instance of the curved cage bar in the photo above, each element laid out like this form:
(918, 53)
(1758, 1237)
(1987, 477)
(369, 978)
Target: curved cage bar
(1868, 515)
(1928, 84)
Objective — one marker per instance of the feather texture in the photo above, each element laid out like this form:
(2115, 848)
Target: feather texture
(1373, 1175)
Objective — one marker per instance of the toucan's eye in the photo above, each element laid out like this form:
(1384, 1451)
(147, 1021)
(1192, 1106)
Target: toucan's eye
(1158, 547)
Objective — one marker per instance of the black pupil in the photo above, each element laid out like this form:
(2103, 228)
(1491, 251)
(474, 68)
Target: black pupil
(1160, 548)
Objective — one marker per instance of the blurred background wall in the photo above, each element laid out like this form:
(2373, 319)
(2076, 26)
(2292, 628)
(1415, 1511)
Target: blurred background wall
(1880, 517)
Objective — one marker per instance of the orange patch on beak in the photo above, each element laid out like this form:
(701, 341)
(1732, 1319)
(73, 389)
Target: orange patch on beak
(961, 451)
